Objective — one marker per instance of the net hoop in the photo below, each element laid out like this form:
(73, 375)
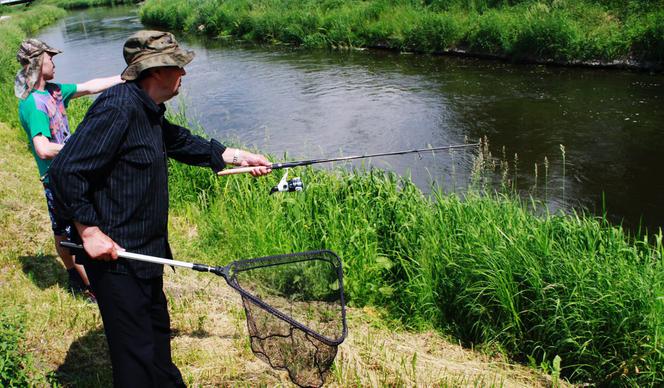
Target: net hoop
(267, 261)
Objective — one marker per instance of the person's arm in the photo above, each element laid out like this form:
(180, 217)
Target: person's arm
(188, 148)
(44, 148)
(96, 85)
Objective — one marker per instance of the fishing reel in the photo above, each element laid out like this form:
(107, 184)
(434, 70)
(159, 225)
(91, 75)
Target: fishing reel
(288, 185)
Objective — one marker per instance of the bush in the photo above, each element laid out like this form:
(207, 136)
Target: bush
(647, 36)
(493, 33)
(434, 33)
(547, 34)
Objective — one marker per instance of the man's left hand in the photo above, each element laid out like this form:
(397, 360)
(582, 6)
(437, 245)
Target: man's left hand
(247, 159)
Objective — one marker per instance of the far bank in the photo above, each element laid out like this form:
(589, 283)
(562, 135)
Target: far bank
(603, 33)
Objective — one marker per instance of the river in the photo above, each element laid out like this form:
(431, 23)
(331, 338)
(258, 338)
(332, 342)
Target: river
(319, 103)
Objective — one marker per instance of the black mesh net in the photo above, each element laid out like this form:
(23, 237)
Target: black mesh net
(295, 311)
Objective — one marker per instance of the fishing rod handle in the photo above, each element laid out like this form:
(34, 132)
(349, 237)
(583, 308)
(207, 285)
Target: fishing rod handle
(239, 170)
(273, 166)
(137, 257)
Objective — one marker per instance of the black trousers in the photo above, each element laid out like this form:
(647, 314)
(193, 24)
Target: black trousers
(137, 329)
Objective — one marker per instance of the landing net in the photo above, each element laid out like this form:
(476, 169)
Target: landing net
(295, 311)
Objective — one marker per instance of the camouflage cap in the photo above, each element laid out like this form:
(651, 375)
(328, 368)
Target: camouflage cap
(30, 55)
(146, 49)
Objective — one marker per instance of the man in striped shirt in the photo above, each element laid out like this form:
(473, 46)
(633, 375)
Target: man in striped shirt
(111, 179)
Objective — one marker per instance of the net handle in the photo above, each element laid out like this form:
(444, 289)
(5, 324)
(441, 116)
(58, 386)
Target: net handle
(231, 281)
(147, 258)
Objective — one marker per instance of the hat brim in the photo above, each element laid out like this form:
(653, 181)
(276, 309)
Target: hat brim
(179, 58)
(27, 77)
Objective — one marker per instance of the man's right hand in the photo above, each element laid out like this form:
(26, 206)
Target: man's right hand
(97, 244)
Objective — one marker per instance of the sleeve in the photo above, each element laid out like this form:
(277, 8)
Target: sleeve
(68, 91)
(188, 148)
(85, 158)
(36, 121)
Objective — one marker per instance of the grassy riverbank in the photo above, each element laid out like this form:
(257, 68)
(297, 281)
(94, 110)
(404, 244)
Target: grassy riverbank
(48, 337)
(79, 4)
(483, 269)
(563, 31)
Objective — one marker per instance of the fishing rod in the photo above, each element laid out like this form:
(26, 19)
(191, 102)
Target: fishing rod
(276, 166)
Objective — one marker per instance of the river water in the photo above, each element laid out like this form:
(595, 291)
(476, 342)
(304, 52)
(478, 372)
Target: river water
(312, 104)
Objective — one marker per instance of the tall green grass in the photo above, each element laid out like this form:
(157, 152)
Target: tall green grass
(480, 266)
(560, 30)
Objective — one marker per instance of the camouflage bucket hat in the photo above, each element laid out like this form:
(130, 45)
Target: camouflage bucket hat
(146, 49)
(30, 55)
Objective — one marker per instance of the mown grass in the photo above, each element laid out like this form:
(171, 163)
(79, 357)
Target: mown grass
(563, 31)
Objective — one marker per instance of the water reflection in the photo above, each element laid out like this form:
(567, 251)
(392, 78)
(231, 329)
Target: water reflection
(319, 103)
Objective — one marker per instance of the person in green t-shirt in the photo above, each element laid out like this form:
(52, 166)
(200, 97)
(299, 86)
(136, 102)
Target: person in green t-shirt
(42, 112)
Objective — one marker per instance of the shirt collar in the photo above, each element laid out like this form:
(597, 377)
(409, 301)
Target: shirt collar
(153, 107)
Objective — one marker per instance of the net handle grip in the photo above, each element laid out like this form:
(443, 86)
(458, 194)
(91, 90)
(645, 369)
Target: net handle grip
(135, 256)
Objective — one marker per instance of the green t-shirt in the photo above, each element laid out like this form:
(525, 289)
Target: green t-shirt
(44, 113)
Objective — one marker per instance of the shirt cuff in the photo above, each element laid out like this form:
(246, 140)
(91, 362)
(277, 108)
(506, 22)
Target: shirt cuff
(85, 215)
(216, 160)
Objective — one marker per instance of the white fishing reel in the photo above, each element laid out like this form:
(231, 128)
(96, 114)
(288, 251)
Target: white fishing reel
(288, 185)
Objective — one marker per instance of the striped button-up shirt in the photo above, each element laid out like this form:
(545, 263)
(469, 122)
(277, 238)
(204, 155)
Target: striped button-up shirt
(113, 173)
